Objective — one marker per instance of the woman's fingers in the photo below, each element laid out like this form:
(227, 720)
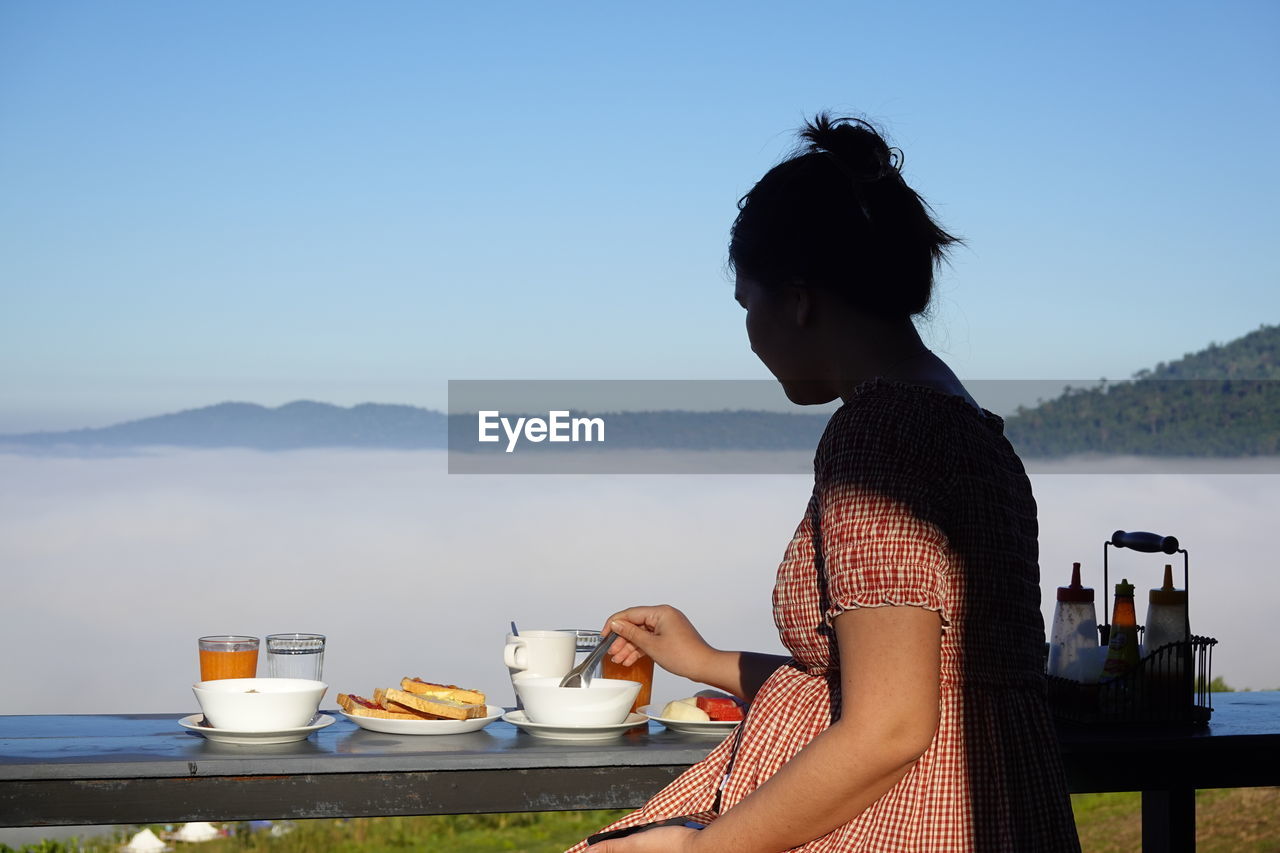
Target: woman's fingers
(642, 615)
(624, 651)
(660, 632)
(626, 630)
(634, 629)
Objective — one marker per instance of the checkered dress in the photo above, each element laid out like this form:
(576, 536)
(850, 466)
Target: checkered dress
(918, 500)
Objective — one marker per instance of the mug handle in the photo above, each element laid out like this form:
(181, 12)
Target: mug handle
(511, 654)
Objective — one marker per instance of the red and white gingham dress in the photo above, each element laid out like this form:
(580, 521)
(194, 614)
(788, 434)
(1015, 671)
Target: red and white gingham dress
(918, 500)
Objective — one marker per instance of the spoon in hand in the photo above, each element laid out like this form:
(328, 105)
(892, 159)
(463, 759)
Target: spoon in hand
(580, 675)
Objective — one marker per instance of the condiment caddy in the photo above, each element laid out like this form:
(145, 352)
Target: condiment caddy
(1117, 681)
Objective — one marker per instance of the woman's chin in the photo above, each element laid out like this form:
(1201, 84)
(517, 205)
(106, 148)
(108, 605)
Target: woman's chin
(808, 392)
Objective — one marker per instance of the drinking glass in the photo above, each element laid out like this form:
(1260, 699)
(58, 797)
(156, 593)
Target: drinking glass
(228, 656)
(641, 671)
(586, 641)
(295, 656)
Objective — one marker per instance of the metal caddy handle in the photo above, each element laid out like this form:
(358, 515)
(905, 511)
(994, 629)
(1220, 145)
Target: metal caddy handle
(1150, 543)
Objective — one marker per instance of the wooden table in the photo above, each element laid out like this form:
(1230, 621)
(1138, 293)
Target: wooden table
(69, 770)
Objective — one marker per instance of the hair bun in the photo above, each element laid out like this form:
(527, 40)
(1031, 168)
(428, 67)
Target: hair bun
(855, 145)
(837, 214)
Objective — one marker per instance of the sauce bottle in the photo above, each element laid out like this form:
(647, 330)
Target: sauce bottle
(1168, 663)
(1122, 649)
(1074, 636)
(1166, 614)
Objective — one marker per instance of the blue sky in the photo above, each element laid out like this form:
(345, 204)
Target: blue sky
(351, 202)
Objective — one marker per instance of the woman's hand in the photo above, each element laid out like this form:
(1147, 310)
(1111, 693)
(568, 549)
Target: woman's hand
(664, 634)
(666, 839)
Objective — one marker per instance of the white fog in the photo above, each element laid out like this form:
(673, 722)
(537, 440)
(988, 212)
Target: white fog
(114, 565)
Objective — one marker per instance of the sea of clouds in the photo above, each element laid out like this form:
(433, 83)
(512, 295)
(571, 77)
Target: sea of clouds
(114, 565)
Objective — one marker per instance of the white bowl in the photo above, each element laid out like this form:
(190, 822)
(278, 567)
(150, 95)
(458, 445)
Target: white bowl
(259, 704)
(606, 702)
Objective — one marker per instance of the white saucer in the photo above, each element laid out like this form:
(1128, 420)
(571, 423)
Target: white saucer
(578, 733)
(426, 727)
(194, 723)
(716, 728)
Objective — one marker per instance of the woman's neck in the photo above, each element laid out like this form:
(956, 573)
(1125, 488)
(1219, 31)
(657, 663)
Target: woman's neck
(893, 351)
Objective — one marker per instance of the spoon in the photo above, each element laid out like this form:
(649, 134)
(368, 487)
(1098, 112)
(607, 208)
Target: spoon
(580, 675)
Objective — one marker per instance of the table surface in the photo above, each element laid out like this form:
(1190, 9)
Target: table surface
(122, 746)
(116, 746)
(113, 765)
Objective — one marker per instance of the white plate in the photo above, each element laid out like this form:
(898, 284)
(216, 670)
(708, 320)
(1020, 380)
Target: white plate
(195, 721)
(426, 727)
(719, 728)
(553, 732)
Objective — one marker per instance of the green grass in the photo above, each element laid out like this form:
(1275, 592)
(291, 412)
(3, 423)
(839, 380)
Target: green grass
(541, 832)
(1228, 820)
(1238, 820)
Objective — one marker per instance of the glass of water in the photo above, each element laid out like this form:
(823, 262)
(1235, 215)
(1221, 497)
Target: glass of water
(295, 656)
(586, 642)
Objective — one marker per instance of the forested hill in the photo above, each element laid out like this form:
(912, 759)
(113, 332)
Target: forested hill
(1255, 356)
(1221, 401)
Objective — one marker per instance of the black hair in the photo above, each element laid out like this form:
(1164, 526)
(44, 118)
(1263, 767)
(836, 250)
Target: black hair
(837, 214)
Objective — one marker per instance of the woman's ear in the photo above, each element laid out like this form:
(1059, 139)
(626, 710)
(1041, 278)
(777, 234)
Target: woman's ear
(800, 303)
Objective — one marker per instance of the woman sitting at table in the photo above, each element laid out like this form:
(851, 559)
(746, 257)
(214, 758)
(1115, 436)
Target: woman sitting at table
(911, 712)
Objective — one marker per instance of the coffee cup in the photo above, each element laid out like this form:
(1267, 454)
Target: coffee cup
(539, 654)
(545, 653)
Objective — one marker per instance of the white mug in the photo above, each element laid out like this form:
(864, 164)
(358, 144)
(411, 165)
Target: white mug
(546, 653)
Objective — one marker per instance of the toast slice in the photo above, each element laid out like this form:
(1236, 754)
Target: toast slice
(380, 699)
(358, 706)
(440, 707)
(452, 692)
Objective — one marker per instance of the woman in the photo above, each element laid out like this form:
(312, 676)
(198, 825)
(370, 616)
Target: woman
(910, 715)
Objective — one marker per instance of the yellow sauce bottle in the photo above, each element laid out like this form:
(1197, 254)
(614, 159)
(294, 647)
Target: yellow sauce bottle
(1122, 649)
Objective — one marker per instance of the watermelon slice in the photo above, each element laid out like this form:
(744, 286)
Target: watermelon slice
(720, 708)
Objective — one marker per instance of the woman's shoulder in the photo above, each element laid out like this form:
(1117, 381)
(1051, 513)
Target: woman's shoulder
(901, 408)
(916, 425)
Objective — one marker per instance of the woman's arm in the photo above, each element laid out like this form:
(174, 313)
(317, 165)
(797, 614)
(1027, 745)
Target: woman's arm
(666, 635)
(890, 659)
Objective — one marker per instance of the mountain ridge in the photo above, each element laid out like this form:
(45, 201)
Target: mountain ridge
(297, 424)
(1221, 401)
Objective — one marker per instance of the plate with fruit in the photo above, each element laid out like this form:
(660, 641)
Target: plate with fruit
(698, 715)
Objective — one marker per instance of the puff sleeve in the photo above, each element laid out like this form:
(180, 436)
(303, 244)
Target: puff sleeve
(882, 484)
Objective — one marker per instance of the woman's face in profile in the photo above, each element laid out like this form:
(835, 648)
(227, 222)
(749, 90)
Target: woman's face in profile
(763, 323)
(777, 334)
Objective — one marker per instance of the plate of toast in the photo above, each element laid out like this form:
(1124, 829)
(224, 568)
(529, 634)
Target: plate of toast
(420, 707)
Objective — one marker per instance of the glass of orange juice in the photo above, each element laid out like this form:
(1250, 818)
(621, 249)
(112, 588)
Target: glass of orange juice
(641, 671)
(228, 656)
